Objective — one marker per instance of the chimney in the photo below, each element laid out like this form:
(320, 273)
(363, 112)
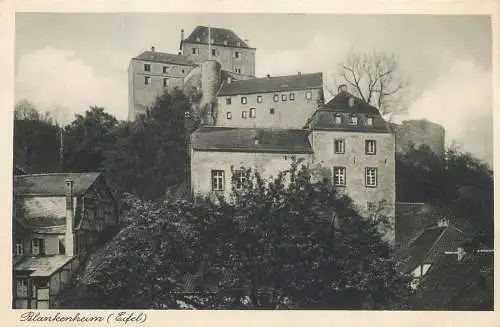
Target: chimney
(153, 48)
(343, 88)
(268, 76)
(69, 236)
(460, 253)
(182, 35)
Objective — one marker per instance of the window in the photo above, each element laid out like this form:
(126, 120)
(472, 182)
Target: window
(228, 100)
(339, 146)
(19, 247)
(217, 180)
(259, 99)
(236, 54)
(338, 119)
(62, 248)
(353, 120)
(339, 176)
(229, 115)
(283, 97)
(165, 69)
(271, 111)
(147, 80)
(371, 177)
(237, 70)
(225, 42)
(239, 179)
(253, 113)
(194, 51)
(308, 95)
(147, 67)
(244, 115)
(370, 147)
(369, 121)
(244, 100)
(276, 98)
(21, 287)
(214, 52)
(37, 247)
(371, 206)
(292, 96)
(182, 71)
(42, 283)
(166, 82)
(238, 43)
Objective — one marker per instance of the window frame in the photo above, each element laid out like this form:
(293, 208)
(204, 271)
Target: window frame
(244, 114)
(229, 115)
(217, 181)
(259, 98)
(195, 51)
(353, 120)
(40, 245)
(344, 176)
(165, 69)
(369, 121)
(252, 113)
(375, 177)
(214, 53)
(244, 100)
(19, 247)
(272, 111)
(24, 288)
(339, 141)
(276, 97)
(308, 95)
(338, 119)
(228, 100)
(284, 97)
(237, 70)
(238, 179)
(166, 82)
(237, 54)
(368, 150)
(292, 96)
(147, 67)
(147, 80)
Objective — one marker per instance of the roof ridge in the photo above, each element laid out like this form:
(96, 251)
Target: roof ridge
(55, 174)
(435, 242)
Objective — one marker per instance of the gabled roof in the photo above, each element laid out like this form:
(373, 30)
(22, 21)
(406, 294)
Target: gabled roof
(429, 245)
(43, 266)
(220, 36)
(52, 184)
(411, 219)
(167, 58)
(251, 140)
(273, 84)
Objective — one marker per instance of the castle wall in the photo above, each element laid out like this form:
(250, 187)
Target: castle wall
(419, 132)
(225, 55)
(287, 114)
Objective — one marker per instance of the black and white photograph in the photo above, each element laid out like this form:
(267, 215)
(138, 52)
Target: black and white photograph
(252, 161)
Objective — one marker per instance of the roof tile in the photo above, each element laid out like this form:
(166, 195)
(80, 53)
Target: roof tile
(220, 36)
(52, 184)
(166, 58)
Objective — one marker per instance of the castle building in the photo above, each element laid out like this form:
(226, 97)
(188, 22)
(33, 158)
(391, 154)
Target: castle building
(278, 102)
(347, 138)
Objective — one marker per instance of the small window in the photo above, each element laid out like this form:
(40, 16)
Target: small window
(369, 121)
(371, 177)
(42, 283)
(276, 98)
(62, 248)
(228, 100)
(339, 146)
(253, 113)
(308, 95)
(21, 287)
(370, 206)
(194, 50)
(339, 176)
(283, 97)
(292, 96)
(370, 147)
(229, 115)
(217, 180)
(147, 67)
(236, 54)
(239, 179)
(244, 115)
(166, 82)
(353, 120)
(165, 69)
(237, 70)
(225, 42)
(19, 247)
(183, 71)
(147, 80)
(238, 43)
(214, 52)
(338, 119)
(37, 247)
(271, 111)
(259, 99)
(244, 100)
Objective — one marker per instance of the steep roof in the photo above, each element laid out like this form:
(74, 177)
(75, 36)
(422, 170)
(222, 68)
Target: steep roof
(52, 184)
(345, 105)
(251, 140)
(411, 218)
(273, 84)
(167, 58)
(430, 245)
(220, 36)
(43, 266)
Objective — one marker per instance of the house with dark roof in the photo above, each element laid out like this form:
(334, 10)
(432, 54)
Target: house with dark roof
(348, 139)
(269, 102)
(57, 218)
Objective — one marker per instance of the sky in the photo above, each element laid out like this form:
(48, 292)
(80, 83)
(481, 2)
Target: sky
(66, 62)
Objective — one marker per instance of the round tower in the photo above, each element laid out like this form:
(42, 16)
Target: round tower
(420, 132)
(210, 75)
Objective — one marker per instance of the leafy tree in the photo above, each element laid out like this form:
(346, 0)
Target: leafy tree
(290, 242)
(87, 138)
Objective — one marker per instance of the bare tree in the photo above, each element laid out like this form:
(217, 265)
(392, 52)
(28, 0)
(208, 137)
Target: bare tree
(374, 78)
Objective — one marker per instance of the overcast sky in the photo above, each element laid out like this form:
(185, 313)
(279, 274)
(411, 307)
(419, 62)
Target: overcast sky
(66, 62)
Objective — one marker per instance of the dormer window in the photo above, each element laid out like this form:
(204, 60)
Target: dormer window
(147, 67)
(353, 120)
(37, 246)
(369, 121)
(225, 42)
(19, 247)
(338, 119)
(197, 39)
(238, 44)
